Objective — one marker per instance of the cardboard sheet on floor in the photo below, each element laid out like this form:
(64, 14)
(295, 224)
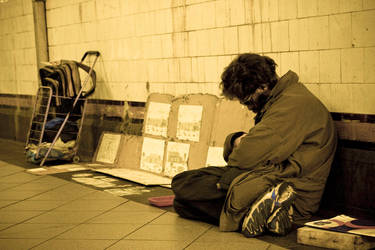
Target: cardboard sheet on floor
(57, 169)
(138, 176)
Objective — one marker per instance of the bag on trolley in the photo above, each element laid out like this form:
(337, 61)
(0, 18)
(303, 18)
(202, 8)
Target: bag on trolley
(59, 107)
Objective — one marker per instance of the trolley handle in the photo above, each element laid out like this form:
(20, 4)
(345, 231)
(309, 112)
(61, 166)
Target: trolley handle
(91, 52)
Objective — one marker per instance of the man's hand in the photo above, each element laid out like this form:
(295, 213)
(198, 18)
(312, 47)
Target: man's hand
(238, 140)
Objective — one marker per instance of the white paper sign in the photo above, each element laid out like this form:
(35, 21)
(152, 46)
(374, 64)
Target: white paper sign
(215, 157)
(156, 122)
(177, 156)
(108, 148)
(152, 155)
(189, 122)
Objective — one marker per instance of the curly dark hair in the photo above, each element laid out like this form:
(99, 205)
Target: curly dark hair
(246, 73)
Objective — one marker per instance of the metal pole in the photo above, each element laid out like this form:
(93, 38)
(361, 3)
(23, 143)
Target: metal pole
(40, 29)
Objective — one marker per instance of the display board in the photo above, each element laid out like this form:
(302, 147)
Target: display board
(179, 133)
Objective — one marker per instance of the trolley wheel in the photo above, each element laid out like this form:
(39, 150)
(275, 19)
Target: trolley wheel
(76, 159)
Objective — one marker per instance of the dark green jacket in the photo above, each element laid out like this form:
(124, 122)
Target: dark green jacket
(294, 139)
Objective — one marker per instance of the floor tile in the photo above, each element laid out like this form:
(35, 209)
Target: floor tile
(50, 180)
(34, 231)
(12, 244)
(147, 245)
(228, 245)
(126, 217)
(90, 205)
(65, 192)
(214, 239)
(37, 185)
(31, 205)
(64, 217)
(7, 169)
(17, 216)
(18, 195)
(99, 231)
(58, 244)
(168, 232)
(170, 218)
(214, 235)
(135, 206)
(10, 165)
(100, 195)
(276, 247)
(19, 177)
(5, 225)
(5, 186)
(6, 203)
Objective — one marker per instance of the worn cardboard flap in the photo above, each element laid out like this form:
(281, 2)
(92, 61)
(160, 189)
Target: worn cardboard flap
(230, 117)
(130, 152)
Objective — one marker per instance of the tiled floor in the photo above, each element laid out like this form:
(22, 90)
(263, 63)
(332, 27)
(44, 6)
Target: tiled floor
(46, 212)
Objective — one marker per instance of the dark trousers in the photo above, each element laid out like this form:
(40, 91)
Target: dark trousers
(197, 196)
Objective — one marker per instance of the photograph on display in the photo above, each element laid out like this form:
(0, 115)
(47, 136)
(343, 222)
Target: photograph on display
(152, 155)
(177, 156)
(157, 119)
(108, 148)
(215, 157)
(189, 122)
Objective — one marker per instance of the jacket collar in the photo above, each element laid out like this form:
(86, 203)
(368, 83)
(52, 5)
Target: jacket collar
(284, 82)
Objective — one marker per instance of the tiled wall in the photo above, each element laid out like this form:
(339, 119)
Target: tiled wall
(17, 48)
(182, 46)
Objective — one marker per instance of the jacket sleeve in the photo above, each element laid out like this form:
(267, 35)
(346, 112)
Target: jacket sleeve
(228, 144)
(273, 139)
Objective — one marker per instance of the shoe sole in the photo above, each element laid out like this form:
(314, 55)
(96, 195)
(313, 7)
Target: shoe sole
(263, 209)
(279, 222)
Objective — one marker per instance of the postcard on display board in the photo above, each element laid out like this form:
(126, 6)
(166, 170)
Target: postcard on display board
(189, 122)
(177, 157)
(156, 122)
(152, 155)
(108, 148)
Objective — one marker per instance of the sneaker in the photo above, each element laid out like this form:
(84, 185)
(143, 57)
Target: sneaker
(255, 222)
(280, 221)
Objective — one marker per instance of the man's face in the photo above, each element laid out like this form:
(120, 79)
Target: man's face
(256, 100)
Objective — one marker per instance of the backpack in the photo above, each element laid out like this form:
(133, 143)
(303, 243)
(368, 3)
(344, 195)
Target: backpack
(64, 78)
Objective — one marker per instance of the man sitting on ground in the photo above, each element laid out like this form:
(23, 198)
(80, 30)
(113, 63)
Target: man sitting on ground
(277, 171)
